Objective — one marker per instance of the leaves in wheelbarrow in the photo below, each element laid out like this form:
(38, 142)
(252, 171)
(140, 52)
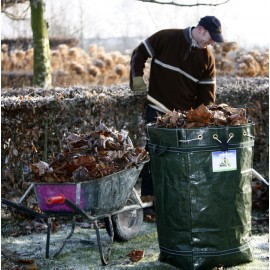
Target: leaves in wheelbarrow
(41, 168)
(90, 156)
(211, 115)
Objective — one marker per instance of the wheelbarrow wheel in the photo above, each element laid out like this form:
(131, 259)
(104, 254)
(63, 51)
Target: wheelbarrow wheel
(128, 224)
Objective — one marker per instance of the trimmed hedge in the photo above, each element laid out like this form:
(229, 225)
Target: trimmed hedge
(35, 121)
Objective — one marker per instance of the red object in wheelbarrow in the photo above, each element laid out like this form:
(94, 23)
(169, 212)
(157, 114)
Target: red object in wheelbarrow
(112, 198)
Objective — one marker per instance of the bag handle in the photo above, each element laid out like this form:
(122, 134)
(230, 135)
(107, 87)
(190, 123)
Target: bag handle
(223, 142)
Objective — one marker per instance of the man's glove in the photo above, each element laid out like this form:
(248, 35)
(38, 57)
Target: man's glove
(139, 86)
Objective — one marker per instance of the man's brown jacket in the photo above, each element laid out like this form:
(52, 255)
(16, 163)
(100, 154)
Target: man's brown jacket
(182, 76)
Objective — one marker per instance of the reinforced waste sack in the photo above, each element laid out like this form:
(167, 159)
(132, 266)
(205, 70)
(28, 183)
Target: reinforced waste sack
(202, 186)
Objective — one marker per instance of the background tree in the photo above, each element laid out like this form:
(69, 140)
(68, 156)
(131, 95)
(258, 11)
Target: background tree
(42, 68)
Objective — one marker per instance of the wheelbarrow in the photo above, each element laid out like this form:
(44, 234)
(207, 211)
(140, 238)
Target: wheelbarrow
(112, 198)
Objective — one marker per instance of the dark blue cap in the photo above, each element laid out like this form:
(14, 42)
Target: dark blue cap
(213, 26)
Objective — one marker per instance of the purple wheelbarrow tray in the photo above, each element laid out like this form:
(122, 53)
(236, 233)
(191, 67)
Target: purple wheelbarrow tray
(96, 197)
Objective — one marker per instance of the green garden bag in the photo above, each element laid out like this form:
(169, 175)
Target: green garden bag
(202, 185)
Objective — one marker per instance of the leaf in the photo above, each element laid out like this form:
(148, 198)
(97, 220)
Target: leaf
(102, 165)
(237, 119)
(41, 168)
(200, 114)
(26, 261)
(136, 255)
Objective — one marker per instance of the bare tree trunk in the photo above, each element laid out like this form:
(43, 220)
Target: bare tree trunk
(42, 67)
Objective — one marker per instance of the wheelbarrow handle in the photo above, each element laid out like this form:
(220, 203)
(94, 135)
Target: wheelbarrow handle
(56, 199)
(23, 208)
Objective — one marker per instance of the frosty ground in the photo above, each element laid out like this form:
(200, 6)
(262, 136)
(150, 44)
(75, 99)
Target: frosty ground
(79, 256)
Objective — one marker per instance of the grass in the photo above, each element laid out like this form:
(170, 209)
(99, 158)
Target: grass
(79, 256)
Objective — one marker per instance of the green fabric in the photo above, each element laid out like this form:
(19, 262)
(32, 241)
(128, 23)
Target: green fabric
(203, 217)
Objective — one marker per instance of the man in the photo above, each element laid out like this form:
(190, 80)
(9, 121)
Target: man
(182, 75)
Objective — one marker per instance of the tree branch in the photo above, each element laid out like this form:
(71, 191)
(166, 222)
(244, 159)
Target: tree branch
(13, 3)
(183, 5)
(9, 3)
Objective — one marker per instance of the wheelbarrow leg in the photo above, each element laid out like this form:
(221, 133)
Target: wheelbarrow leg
(91, 219)
(48, 238)
(68, 237)
(109, 249)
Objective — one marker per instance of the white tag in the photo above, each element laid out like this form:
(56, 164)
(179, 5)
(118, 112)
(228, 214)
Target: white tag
(224, 161)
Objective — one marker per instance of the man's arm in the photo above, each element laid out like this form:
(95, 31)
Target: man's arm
(207, 85)
(138, 59)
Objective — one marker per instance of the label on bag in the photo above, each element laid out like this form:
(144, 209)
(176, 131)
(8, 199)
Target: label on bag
(224, 161)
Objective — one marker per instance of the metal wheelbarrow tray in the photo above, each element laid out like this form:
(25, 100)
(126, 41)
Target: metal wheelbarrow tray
(112, 198)
(96, 197)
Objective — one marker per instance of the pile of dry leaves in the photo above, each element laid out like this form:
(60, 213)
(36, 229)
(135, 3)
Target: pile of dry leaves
(211, 115)
(94, 155)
